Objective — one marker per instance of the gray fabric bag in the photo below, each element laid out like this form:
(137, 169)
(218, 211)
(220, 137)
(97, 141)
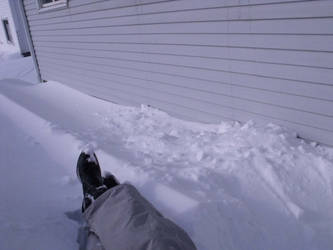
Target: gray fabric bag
(121, 219)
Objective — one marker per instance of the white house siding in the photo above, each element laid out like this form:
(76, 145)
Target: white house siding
(5, 13)
(207, 60)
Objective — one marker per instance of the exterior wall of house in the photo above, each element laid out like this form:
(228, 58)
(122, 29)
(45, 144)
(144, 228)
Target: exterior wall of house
(206, 60)
(5, 13)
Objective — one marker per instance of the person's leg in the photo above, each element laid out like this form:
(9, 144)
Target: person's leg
(121, 218)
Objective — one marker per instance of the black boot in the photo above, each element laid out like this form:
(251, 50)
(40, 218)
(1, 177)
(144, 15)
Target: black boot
(89, 173)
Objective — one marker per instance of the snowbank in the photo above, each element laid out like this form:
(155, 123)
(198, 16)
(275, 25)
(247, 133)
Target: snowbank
(230, 185)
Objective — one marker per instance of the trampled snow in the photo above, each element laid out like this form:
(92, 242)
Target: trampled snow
(229, 185)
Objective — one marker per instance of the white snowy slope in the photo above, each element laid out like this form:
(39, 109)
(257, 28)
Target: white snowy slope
(230, 186)
(35, 195)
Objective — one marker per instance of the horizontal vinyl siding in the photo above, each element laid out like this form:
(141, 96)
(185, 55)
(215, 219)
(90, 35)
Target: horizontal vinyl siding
(200, 60)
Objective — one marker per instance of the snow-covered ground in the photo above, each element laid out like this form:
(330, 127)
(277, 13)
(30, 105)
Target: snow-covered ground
(229, 185)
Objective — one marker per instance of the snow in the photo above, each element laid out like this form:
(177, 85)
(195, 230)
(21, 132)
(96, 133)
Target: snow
(229, 185)
(12, 65)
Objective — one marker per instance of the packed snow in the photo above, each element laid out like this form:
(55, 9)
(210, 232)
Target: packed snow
(229, 185)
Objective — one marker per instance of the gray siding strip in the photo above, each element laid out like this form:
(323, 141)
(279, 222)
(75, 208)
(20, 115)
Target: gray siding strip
(289, 42)
(129, 25)
(223, 76)
(130, 56)
(297, 73)
(200, 60)
(304, 89)
(295, 58)
(238, 26)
